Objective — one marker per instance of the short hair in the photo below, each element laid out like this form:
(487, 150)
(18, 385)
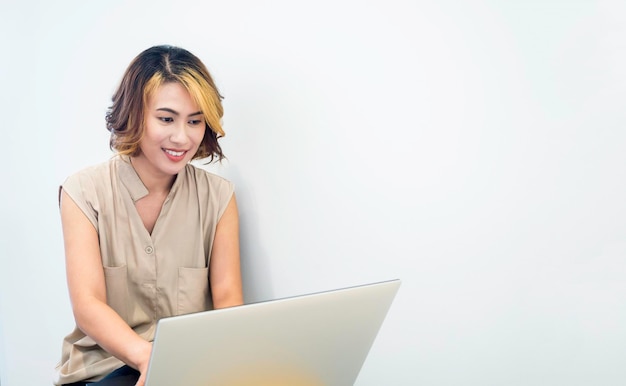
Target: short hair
(145, 74)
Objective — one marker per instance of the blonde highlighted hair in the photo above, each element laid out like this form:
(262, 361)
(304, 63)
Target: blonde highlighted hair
(145, 74)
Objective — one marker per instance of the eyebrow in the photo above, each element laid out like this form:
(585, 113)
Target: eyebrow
(167, 109)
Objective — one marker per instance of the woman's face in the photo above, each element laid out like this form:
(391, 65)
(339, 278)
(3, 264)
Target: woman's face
(173, 131)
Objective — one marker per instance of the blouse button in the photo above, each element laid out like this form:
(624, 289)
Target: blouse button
(149, 250)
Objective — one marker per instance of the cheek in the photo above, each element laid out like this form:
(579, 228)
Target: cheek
(199, 136)
(153, 134)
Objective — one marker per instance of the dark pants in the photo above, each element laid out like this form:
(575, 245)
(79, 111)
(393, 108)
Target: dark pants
(124, 376)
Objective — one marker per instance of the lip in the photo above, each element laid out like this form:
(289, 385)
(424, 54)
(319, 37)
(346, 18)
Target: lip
(175, 158)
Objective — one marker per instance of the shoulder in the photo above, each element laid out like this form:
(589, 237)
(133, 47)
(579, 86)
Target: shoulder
(206, 179)
(94, 172)
(212, 190)
(89, 187)
(89, 182)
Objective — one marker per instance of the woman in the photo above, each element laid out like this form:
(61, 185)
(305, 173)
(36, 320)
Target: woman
(147, 235)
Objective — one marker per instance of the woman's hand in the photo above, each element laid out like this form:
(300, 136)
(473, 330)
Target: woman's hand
(142, 379)
(143, 359)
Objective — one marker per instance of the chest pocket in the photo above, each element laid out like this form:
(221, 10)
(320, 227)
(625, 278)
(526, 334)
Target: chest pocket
(193, 290)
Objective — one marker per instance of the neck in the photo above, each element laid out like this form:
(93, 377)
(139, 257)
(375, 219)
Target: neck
(154, 181)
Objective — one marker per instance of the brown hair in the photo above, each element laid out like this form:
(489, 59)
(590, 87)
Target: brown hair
(149, 70)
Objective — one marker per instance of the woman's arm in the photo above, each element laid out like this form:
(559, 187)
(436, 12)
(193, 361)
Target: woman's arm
(224, 267)
(87, 288)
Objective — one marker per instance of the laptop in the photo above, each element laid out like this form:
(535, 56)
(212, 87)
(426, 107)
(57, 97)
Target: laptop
(309, 340)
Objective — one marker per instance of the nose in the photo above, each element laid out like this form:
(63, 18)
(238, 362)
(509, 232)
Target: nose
(178, 134)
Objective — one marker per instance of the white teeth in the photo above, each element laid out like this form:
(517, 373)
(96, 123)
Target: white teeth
(174, 153)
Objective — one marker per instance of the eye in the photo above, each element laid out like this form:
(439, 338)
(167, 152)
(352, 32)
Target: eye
(195, 122)
(166, 119)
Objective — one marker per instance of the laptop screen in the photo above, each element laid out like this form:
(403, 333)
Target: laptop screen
(314, 339)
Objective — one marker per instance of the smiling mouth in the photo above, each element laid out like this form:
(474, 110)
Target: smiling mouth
(174, 153)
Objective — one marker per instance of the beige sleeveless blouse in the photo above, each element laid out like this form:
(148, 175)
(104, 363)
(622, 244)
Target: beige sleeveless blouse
(148, 276)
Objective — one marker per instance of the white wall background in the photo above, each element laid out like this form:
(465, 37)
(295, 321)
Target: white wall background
(472, 148)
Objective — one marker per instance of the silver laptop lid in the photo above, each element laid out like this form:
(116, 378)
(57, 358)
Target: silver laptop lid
(315, 339)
